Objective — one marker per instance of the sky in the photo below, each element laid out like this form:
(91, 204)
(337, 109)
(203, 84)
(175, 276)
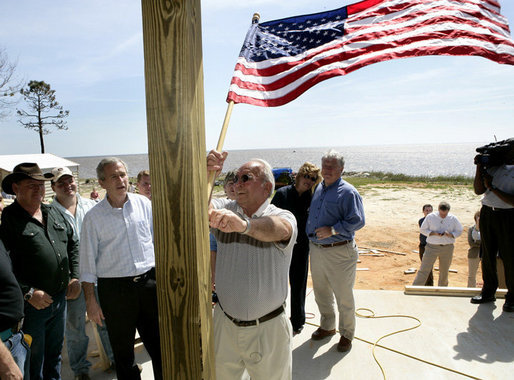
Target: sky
(91, 53)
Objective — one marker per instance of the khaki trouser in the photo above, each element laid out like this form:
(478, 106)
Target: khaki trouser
(333, 274)
(432, 252)
(265, 350)
(473, 263)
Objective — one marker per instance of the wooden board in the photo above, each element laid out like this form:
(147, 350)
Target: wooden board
(448, 291)
(177, 155)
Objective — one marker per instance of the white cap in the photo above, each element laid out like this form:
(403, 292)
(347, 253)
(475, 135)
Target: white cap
(59, 172)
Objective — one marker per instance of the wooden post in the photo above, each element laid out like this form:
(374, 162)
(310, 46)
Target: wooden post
(176, 146)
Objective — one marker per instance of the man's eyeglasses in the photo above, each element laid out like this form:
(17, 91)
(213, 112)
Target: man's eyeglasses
(244, 178)
(313, 179)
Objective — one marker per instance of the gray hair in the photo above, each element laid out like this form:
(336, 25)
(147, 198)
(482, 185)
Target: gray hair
(334, 155)
(266, 173)
(100, 169)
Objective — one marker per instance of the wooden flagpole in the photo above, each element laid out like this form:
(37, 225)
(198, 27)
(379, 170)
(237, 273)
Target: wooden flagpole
(219, 147)
(223, 132)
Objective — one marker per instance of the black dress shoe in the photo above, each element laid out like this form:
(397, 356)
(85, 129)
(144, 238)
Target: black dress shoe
(344, 344)
(508, 307)
(482, 299)
(297, 331)
(320, 333)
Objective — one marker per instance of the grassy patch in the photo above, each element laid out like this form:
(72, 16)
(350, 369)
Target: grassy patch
(377, 178)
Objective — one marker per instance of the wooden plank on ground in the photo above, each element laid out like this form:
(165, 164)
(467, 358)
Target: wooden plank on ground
(447, 291)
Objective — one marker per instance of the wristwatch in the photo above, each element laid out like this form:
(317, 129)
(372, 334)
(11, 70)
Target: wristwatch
(29, 294)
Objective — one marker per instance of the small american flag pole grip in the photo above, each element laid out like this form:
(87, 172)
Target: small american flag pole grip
(219, 147)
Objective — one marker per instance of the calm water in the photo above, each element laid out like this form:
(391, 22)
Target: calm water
(425, 159)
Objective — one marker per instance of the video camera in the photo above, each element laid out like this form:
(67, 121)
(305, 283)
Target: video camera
(494, 154)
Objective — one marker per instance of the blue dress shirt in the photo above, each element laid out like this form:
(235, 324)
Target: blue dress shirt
(339, 206)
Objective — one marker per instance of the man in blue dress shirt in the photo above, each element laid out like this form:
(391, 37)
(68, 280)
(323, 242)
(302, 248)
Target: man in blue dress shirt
(335, 214)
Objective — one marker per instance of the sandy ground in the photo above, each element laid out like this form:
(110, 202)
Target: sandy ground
(392, 213)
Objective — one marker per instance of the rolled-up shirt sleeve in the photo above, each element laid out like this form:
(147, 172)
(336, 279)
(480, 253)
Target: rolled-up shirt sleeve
(457, 228)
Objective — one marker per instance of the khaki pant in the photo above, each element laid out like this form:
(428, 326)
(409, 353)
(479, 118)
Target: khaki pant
(333, 274)
(265, 350)
(432, 252)
(473, 263)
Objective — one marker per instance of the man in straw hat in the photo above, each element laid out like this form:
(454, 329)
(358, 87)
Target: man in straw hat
(44, 255)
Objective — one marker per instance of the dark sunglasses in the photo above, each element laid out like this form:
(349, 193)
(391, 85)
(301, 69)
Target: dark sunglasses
(244, 178)
(314, 179)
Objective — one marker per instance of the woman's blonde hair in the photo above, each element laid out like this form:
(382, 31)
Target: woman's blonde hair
(310, 169)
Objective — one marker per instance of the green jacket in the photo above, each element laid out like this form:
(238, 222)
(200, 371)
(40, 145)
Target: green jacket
(43, 256)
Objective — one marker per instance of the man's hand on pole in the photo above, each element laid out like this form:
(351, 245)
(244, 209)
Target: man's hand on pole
(215, 161)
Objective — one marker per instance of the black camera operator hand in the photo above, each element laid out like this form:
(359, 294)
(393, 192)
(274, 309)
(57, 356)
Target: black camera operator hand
(479, 184)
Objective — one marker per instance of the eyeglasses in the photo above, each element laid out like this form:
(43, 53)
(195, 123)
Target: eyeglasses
(313, 179)
(244, 178)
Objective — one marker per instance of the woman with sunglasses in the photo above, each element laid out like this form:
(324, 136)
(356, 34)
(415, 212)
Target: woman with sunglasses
(297, 199)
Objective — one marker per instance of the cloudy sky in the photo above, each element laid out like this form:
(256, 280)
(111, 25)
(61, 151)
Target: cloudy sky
(91, 53)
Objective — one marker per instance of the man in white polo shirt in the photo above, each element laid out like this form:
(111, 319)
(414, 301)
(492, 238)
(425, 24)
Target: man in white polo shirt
(255, 243)
(441, 228)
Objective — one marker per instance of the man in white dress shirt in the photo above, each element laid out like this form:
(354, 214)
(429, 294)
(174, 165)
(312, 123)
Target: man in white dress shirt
(441, 228)
(116, 248)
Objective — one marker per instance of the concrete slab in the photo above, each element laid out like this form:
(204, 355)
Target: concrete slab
(455, 335)
(456, 340)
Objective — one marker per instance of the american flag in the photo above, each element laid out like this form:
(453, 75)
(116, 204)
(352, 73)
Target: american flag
(281, 59)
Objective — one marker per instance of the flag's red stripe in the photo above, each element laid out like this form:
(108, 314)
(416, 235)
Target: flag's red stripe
(386, 9)
(362, 5)
(414, 15)
(458, 50)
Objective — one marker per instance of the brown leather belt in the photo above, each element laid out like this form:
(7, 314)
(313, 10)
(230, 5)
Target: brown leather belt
(254, 322)
(332, 244)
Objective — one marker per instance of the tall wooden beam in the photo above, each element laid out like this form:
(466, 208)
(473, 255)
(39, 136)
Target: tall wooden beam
(176, 146)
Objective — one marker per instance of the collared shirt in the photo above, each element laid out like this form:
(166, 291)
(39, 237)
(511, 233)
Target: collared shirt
(44, 256)
(287, 198)
(338, 205)
(11, 298)
(503, 179)
(252, 275)
(434, 223)
(83, 206)
(117, 242)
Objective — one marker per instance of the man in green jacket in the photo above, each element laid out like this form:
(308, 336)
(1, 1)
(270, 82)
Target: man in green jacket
(44, 255)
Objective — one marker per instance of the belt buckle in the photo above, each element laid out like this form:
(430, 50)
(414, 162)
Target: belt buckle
(137, 278)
